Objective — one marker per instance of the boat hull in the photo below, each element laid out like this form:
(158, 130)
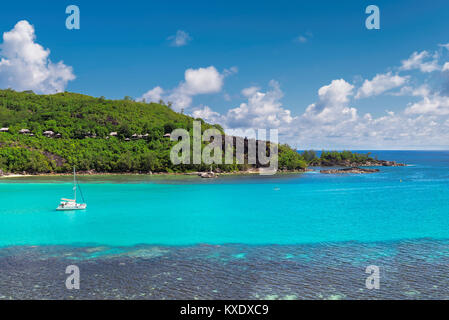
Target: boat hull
(69, 208)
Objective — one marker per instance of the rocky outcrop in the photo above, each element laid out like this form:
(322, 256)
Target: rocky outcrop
(390, 163)
(349, 170)
(367, 163)
(208, 175)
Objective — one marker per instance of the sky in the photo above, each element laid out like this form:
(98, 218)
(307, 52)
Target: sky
(310, 69)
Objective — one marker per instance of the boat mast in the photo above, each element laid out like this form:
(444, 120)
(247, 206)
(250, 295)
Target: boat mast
(74, 183)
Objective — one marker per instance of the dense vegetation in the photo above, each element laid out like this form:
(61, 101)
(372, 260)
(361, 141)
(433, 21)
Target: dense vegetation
(331, 158)
(84, 124)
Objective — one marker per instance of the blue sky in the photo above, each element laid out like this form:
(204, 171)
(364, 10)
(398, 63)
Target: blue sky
(123, 48)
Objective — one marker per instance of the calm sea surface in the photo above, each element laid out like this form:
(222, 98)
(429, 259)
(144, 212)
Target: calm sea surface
(286, 236)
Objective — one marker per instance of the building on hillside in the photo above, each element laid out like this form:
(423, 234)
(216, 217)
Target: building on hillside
(4, 129)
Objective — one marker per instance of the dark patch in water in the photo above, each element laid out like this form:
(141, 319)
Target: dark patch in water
(409, 270)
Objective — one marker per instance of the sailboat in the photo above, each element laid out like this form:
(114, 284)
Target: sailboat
(71, 204)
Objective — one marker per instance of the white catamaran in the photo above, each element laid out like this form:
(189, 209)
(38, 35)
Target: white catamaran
(70, 204)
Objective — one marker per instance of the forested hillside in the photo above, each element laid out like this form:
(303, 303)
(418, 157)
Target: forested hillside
(96, 134)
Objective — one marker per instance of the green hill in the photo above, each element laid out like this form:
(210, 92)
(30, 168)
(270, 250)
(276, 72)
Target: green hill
(81, 128)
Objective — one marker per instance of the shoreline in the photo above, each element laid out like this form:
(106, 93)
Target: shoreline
(197, 173)
(235, 173)
(252, 171)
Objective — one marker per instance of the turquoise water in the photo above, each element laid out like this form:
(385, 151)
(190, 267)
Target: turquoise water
(285, 209)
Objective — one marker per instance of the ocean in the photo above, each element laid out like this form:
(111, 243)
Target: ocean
(288, 236)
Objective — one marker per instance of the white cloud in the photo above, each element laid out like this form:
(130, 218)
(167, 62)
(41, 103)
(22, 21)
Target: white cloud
(332, 103)
(247, 92)
(153, 95)
(231, 71)
(435, 104)
(380, 84)
(25, 64)
(196, 81)
(181, 38)
(446, 123)
(420, 91)
(262, 110)
(446, 66)
(416, 61)
(201, 81)
(207, 114)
